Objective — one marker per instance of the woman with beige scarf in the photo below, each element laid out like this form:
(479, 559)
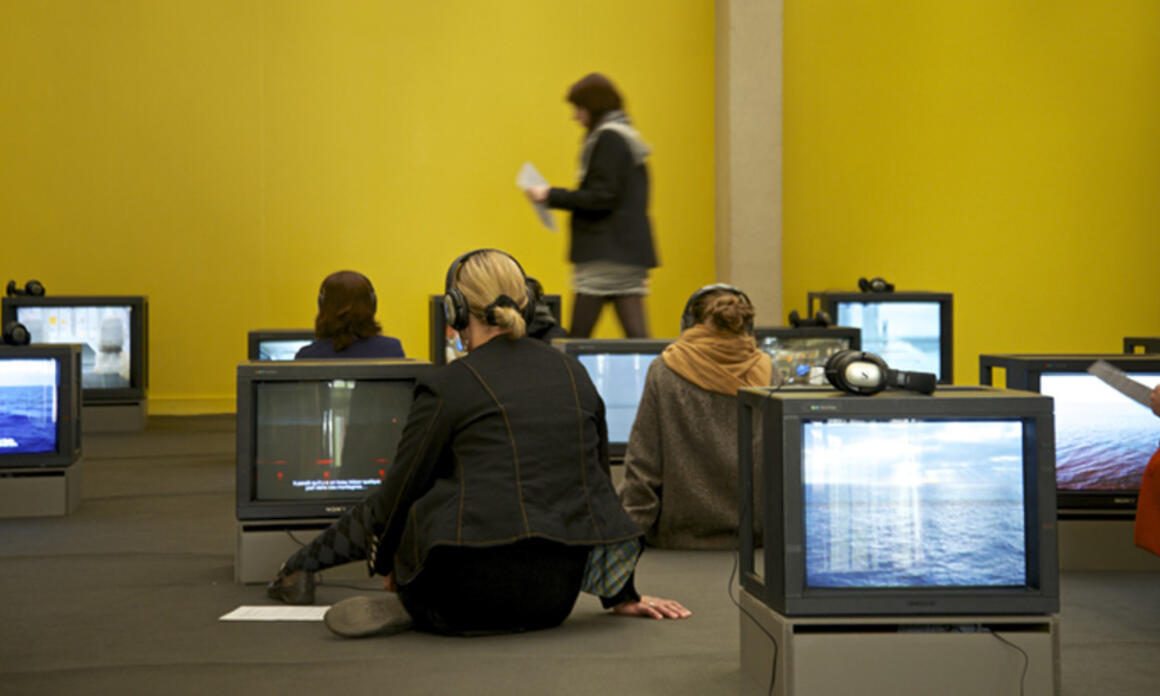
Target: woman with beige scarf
(680, 469)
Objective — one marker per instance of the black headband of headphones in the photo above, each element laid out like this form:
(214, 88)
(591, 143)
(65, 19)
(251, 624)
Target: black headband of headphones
(688, 319)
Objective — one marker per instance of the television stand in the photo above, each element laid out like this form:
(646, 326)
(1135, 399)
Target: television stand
(1094, 540)
(40, 491)
(891, 655)
(262, 545)
(113, 417)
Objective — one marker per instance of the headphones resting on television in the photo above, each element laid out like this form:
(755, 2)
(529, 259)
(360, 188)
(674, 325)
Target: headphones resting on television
(856, 372)
(455, 308)
(15, 334)
(32, 288)
(688, 318)
(875, 285)
(820, 319)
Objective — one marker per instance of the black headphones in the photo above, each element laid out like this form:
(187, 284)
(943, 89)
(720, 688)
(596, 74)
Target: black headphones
(856, 372)
(455, 308)
(875, 285)
(687, 316)
(15, 334)
(32, 288)
(821, 319)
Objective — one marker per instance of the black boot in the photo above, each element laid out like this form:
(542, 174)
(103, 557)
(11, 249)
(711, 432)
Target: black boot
(296, 587)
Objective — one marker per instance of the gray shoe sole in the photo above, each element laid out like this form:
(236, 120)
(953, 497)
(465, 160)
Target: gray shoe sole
(358, 617)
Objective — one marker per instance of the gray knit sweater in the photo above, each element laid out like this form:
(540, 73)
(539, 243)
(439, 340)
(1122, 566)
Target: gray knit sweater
(680, 470)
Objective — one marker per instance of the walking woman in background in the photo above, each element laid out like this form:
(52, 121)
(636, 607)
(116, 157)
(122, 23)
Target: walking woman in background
(612, 246)
(498, 508)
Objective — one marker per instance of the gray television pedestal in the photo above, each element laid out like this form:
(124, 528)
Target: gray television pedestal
(892, 655)
(1102, 544)
(262, 545)
(118, 417)
(40, 491)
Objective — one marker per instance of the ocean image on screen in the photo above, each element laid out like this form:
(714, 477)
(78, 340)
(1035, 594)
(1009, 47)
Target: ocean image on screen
(907, 503)
(1103, 439)
(905, 334)
(327, 439)
(619, 379)
(802, 360)
(280, 349)
(28, 403)
(102, 331)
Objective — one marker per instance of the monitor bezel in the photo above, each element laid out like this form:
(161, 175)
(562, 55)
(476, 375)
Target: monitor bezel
(827, 301)
(1022, 371)
(437, 325)
(576, 347)
(1150, 344)
(68, 416)
(255, 372)
(782, 585)
(255, 338)
(138, 338)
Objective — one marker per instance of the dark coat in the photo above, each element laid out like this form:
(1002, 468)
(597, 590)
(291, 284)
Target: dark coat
(373, 347)
(610, 209)
(507, 443)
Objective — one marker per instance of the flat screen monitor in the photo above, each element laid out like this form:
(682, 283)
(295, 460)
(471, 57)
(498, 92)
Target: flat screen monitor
(277, 344)
(444, 346)
(900, 504)
(800, 353)
(315, 437)
(111, 330)
(1142, 344)
(617, 368)
(40, 416)
(912, 331)
(1103, 439)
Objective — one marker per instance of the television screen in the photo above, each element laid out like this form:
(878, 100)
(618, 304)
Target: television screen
(102, 331)
(328, 439)
(112, 332)
(316, 436)
(800, 354)
(40, 412)
(1103, 440)
(912, 503)
(904, 334)
(280, 350)
(619, 378)
(898, 503)
(28, 405)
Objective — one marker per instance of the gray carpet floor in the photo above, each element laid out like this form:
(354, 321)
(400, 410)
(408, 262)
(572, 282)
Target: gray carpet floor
(123, 597)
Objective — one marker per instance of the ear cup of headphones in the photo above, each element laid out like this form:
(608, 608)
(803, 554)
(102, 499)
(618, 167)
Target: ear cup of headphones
(875, 285)
(32, 288)
(856, 372)
(455, 307)
(15, 334)
(820, 319)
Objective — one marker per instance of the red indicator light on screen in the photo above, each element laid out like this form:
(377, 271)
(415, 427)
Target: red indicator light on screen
(326, 474)
(382, 473)
(394, 420)
(279, 474)
(381, 460)
(325, 461)
(279, 462)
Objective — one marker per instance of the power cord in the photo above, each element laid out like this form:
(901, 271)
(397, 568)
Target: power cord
(1021, 651)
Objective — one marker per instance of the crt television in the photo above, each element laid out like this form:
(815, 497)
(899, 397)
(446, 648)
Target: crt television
(912, 331)
(113, 333)
(1142, 344)
(442, 346)
(277, 344)
(314, 437)
(800, 353)
(1103, 439)
(40, 414)
(899, 504)
(617, 367)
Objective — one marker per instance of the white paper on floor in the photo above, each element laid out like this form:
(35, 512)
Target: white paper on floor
(269, 613)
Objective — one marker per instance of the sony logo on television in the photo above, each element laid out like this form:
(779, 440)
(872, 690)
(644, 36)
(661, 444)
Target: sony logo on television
(823, 407)
(336, 508)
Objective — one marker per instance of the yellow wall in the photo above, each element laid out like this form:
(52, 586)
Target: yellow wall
(223, 156)
(1007, 151)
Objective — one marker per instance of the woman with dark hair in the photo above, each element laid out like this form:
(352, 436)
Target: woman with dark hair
(680, 469)
(612, 246)
(498, 507)
(345, 326)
